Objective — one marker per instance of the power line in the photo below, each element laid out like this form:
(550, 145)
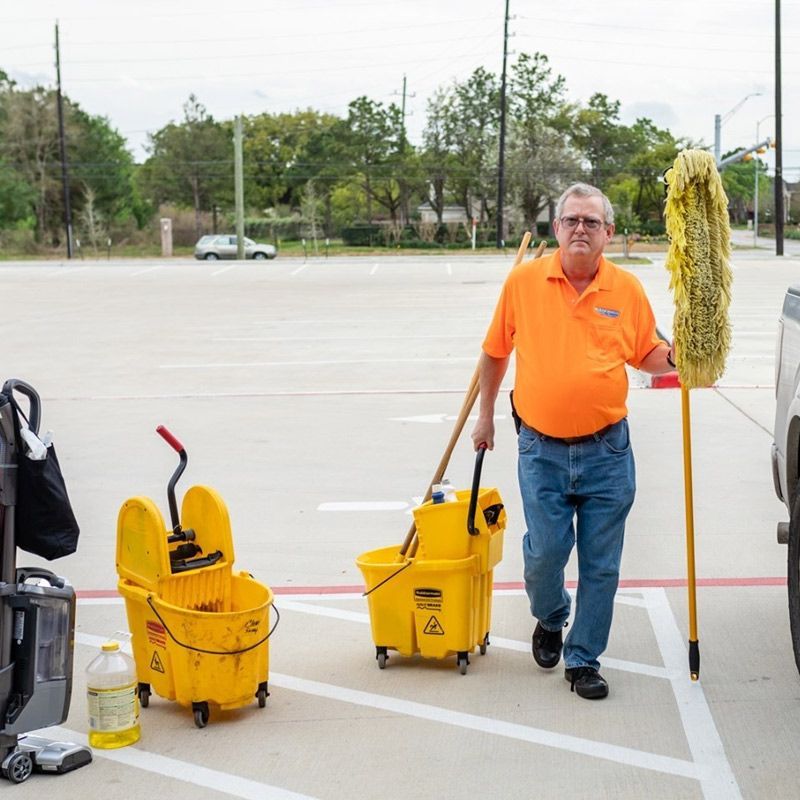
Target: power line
(216, 57)
(339, 68)
(696, 31)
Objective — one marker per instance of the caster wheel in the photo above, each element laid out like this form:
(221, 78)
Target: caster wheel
(382, 656)
(484, 644)
(200, 714)
(462, 663)
(18, 767)
(262, 694)
(144, 695)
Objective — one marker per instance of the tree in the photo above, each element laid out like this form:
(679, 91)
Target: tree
(91, 220)
(30, 144)
(31, 157)
(437, 160)
(274, 151)
(653, 151)
(539, 165)
(100, 161)
(474, 121)
(373, 148)
(190, 163)
(539, 159)
(739, 181)
(602, 140)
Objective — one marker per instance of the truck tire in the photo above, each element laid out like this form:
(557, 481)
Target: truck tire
(793, 577)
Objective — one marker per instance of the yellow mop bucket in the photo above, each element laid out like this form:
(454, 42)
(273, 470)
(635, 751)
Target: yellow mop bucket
(200, 634)
(439, 602)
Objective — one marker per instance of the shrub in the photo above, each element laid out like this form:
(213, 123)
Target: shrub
(361, 235)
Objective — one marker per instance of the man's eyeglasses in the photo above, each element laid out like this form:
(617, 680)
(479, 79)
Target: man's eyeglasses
(589, 223)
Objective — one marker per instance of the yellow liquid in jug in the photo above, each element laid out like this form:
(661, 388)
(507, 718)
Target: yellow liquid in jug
(105, 740)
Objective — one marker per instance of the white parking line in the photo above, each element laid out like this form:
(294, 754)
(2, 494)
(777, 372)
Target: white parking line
(496, 641)
(299, 269)
(223, 270)
(712, 768)
(249, 364)
(702, 736)
(369, 505)
(709, 765)
(144, 271)
(373, 270)
(496, 727)
(65, 271)
(185, 771)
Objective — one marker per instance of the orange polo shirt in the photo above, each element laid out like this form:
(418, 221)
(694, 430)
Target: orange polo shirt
(571, 351)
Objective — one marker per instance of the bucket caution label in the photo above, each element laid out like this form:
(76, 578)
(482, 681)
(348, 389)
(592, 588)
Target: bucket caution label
(156, 634)
(428, 599)
(434, 627)
(155, 663)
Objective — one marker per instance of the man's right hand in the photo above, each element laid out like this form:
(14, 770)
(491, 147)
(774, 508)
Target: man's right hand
(483, 433)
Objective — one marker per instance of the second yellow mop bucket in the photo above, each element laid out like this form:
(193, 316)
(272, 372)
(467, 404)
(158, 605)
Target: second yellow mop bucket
(438, 603)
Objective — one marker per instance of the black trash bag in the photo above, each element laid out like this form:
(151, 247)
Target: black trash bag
(44, 523)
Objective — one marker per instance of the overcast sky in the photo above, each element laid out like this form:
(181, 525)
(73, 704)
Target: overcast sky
(678, 62)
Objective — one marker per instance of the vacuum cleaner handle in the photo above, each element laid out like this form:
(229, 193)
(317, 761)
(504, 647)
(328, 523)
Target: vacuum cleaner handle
(473, 495)
(181, 451)
(25, 574)
(35, 408)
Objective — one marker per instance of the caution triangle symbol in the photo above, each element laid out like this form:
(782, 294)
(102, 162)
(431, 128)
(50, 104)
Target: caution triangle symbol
(155, 663)
(434, 627)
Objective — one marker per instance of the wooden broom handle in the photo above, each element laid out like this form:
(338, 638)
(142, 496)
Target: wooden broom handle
(409, 545)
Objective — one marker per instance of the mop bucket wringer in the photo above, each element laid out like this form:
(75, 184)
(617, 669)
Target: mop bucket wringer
(200, 633)
(438, 603)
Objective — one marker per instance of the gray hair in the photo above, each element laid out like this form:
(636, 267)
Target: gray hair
(586, 190)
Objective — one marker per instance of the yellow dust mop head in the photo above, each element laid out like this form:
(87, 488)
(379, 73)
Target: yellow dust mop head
(700, 275)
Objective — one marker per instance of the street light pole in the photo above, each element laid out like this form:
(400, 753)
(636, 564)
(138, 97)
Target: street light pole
(755, 187)
(720, 120)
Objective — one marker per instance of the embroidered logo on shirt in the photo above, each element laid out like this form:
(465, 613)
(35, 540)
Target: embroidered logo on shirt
(606, 312)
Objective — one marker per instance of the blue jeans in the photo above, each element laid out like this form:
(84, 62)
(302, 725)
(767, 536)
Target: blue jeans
(593, 482)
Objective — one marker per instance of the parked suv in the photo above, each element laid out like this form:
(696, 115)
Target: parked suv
(210, 248)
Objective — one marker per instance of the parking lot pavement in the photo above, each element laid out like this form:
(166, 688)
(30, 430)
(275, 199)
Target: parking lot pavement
(317, 398)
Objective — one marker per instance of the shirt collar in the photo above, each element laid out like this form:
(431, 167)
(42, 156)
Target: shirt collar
(603, 279)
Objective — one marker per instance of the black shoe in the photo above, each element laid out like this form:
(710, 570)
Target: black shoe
(546, 646)
(587, 682)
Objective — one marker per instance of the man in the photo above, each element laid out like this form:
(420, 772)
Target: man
(575, 320)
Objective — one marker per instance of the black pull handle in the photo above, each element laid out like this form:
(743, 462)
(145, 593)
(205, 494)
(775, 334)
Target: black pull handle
(173, 442)
(476, 484)
(35, 404)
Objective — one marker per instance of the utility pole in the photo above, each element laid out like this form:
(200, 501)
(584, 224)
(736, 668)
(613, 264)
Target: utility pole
(778, 136)
(404, 208)
(717, 137)
(403, 95)
(238, 185)
(62, 145)
(501, 174)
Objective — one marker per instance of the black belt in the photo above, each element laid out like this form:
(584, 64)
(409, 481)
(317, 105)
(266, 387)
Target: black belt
(573, 439)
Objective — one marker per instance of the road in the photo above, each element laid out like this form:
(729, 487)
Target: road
(317, 399)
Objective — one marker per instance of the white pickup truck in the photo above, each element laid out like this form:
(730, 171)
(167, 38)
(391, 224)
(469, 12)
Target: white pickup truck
(786, 448)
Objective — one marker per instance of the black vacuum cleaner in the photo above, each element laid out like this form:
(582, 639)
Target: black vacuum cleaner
(37, 607)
